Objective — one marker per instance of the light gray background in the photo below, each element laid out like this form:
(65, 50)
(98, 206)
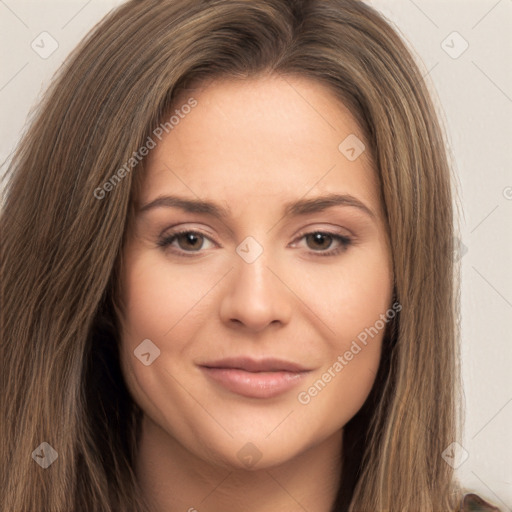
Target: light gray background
(474, 94)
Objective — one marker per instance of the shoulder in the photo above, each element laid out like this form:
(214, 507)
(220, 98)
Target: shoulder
(473, 503)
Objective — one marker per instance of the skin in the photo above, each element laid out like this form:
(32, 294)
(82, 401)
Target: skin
(252, 146)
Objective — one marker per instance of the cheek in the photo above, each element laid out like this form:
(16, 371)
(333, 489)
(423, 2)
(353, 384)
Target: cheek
(337, 393)
(161, 299)
(353, 302)
(166, 304)
(350, 296)
(163, 305)
(351, 361)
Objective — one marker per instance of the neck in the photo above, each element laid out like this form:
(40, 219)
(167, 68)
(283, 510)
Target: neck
(175, 480)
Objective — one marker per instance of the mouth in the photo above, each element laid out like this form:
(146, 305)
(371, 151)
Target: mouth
(265, 378)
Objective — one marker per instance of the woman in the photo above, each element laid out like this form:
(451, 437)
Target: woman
(228, 273)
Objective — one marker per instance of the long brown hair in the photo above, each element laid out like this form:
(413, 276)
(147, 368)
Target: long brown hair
(63, 231)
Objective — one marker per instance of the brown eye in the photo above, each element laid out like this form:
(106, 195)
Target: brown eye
(319, 240)
(190, 241)
(320, 243)
(184, 242)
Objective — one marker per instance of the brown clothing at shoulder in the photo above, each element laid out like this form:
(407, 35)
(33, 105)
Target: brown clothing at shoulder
(473, 503)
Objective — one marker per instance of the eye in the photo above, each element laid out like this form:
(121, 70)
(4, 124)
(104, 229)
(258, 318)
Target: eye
(319, 241)
(188, 241)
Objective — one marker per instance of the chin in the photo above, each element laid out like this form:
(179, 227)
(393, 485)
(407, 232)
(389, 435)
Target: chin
(254, 452)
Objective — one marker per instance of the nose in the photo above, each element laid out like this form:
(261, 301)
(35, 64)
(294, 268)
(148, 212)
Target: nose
(256, 295)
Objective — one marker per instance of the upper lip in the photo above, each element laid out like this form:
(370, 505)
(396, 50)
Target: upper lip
(252, 365)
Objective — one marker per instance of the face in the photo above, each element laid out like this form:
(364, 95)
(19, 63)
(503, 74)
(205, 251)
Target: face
(257, 275)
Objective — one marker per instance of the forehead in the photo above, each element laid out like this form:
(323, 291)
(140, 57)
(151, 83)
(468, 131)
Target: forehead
(266, 139)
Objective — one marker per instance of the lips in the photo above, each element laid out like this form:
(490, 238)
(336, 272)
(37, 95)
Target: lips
(251, 365)
(265, 378)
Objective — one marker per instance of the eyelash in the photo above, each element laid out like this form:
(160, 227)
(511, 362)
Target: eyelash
(345, 241)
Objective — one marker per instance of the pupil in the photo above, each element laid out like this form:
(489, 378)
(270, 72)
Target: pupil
(191, 239)
(318, 237)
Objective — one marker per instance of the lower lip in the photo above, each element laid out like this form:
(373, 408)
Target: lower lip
(255, 384)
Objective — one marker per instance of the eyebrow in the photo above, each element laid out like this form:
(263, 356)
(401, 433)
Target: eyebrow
(292, 208)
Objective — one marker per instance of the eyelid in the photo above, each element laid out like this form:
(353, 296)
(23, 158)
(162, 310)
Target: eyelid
(344, 241)
(332, 230)
(164, 238)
